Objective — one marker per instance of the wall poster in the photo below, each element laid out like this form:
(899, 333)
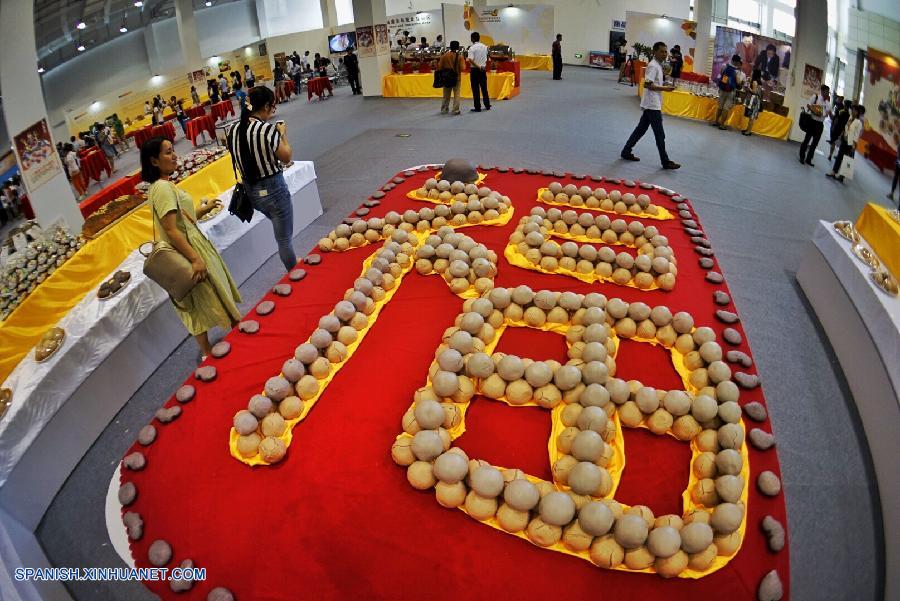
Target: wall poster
(38, 160)
(365, 39)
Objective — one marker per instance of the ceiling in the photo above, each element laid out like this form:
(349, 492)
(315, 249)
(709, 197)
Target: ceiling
(57, 38)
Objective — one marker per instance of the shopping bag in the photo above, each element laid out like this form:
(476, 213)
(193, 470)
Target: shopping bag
(846, 170)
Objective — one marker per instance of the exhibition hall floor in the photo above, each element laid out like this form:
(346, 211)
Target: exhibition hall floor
(759, 207)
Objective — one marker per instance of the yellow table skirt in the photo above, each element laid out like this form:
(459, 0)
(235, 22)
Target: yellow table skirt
(69, 284)
(883, 235)
(501, 86)
(684, 104)
(535, 62)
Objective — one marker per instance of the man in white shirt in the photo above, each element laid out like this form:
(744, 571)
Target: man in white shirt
(849, 139)
(818, 107)
(651, 104)
(478, 55)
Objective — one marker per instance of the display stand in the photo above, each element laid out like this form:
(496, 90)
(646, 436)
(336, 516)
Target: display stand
(863, 325)
(62, 406)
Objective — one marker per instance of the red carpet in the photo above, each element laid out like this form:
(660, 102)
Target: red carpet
(337, 518)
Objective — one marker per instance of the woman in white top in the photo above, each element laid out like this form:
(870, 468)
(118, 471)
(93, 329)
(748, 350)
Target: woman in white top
(74, 167)
(848, 140)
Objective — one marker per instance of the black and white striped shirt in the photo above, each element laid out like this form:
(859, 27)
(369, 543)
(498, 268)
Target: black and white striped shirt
(263, 140)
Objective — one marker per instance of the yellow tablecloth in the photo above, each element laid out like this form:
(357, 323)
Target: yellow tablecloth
(883, 235)
(684, 104)
(65, 288)
(501, 86)
(535, 62)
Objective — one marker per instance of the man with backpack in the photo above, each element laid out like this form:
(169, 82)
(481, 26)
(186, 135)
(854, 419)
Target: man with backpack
(729, 82)
(451, 65)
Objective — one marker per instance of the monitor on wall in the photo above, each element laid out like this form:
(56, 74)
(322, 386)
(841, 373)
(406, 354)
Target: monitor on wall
(341, 42)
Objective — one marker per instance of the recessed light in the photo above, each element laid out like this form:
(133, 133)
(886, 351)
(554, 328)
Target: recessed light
(81, 49)
(80, 25)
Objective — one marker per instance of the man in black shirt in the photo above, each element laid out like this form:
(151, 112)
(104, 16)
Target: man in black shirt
(557, 57)
(767, 63)
(351, 62)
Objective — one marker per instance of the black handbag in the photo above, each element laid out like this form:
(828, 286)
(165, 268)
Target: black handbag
(438, 78)
(240, 205)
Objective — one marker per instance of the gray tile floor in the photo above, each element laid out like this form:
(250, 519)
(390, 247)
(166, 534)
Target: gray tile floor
(759, 207)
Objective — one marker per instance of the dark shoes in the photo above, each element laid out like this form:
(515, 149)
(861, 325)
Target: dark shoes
(629, 157)
(745, 133)
(671, 165)
(810, 163)
(474, 110)
(722, 127)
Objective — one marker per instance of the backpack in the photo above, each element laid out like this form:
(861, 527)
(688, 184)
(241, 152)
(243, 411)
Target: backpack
(728, 79)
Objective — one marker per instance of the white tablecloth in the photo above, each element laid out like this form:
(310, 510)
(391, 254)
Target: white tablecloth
(94, 328)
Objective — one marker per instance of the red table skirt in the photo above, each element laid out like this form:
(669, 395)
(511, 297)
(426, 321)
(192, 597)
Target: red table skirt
(698, 77)
(198, 125)
(289, 87)
(514, 67)
(220, 109)
(25, 205)
(317, 86)
(93, 164)
(166, 130)
(195, 111)
(121, 187)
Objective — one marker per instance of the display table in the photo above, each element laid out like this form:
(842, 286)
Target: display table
(289, 87)
(195, 111)
(882, 233)
(93, 164)
(863, 326)
(535, 62)
(60, 407)
(198, 125)
(121, 187)
(63, 289)
(501, 86)
(166, 130)
(317, 86)
(514, 67)
(685, 104)
(221, 109)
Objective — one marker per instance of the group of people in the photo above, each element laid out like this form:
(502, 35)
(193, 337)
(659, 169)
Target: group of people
(408, 42)
(11, 194)
(298, 68)
(108, 136)
(451, 65)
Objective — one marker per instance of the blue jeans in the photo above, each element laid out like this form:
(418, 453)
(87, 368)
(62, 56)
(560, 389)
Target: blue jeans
(271, 197)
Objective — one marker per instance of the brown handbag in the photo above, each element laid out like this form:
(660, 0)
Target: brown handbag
(166, 266)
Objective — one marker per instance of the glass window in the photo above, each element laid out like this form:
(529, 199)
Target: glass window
(783, 22)
(748, 11)
(344, 11)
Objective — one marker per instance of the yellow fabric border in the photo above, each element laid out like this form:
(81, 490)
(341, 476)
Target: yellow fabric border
(438, 174)
(618, 464)
(535, 62)
(88, 267)
(501, 86)
(883, 235)
(663, 215)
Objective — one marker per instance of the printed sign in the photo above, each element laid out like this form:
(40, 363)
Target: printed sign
(382, 40)
(365, 39)
(38, 160)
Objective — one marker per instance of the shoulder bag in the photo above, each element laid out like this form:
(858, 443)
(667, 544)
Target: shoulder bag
(240, 205)
(805, 119)
(168, 267)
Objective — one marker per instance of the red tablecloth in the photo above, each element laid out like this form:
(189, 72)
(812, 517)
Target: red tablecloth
(198, 125)
(25, 205)
(317, 86)
(92, 164)
(338, 508)
(166, 130)
(514, 67)
(289, 87)
(698, 77)
(220, 109)
(109, 193)
(194, 112)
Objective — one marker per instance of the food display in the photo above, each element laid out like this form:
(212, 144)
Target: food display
(881, 277)
(49, 343)
(110, 213)
(113, 285)
(213, 212)
(501, 52)
(614, 201)
(5, 401)
(196, 160)
(25, 270)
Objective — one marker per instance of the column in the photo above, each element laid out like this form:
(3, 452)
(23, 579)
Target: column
(370, 13)
(810, 41)
(187, 34)
(50, 196)
(703, 15)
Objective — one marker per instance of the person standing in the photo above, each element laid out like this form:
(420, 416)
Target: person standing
(677, 61)
(351, 63)
(840, 116)
(195, 97)
(478, 55)
(213, 299)
(556, 53)
(896, 179)
(849, 138)
(621, 58)
(651, 104)
(212, 90)
(304, 61)
(451, 61)
(180, 115)
(259, 150)
(73, 165)
(439, 42)
(752, 102)
(278, 74)
(818, 106)
(249, 77)
(728, 86)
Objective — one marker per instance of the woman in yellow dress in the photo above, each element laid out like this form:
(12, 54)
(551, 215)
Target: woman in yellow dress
(213, 300)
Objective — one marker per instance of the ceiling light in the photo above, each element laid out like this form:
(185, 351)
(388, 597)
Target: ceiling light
(80, 25)
(81, 48)
(138, 3)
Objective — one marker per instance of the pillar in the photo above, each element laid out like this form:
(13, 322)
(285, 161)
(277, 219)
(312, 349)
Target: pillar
(187, 34)
(810, 41)
(369, 13)
(703, 15)
(23, 106)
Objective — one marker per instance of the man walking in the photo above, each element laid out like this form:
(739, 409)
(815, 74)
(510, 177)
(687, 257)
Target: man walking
(651, 104)
(557, 57)
(818, 107)
(478, 54)
(351, 62)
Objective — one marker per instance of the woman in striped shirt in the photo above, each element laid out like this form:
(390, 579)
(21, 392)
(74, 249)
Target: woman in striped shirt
(259, 150)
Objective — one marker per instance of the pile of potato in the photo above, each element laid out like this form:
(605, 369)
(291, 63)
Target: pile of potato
(576, 509)
(463, 263)
(599, 198)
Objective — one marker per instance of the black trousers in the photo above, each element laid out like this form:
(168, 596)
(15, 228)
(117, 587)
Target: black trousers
(896, 179)
(557, 67)
(353, 77)
(649, 118)
(478, 79)
(811, 140)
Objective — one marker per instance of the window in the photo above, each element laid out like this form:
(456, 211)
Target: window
(784, 22)
(748, 12)
(343, 11)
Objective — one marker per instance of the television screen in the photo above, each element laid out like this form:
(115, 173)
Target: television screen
(342, 41)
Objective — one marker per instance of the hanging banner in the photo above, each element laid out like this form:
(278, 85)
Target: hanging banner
(881, 97)
(365, 39)
(382, 40)
(38, 160)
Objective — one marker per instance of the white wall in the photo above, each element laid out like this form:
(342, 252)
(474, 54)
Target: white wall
(226, 27)
(288, 16)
